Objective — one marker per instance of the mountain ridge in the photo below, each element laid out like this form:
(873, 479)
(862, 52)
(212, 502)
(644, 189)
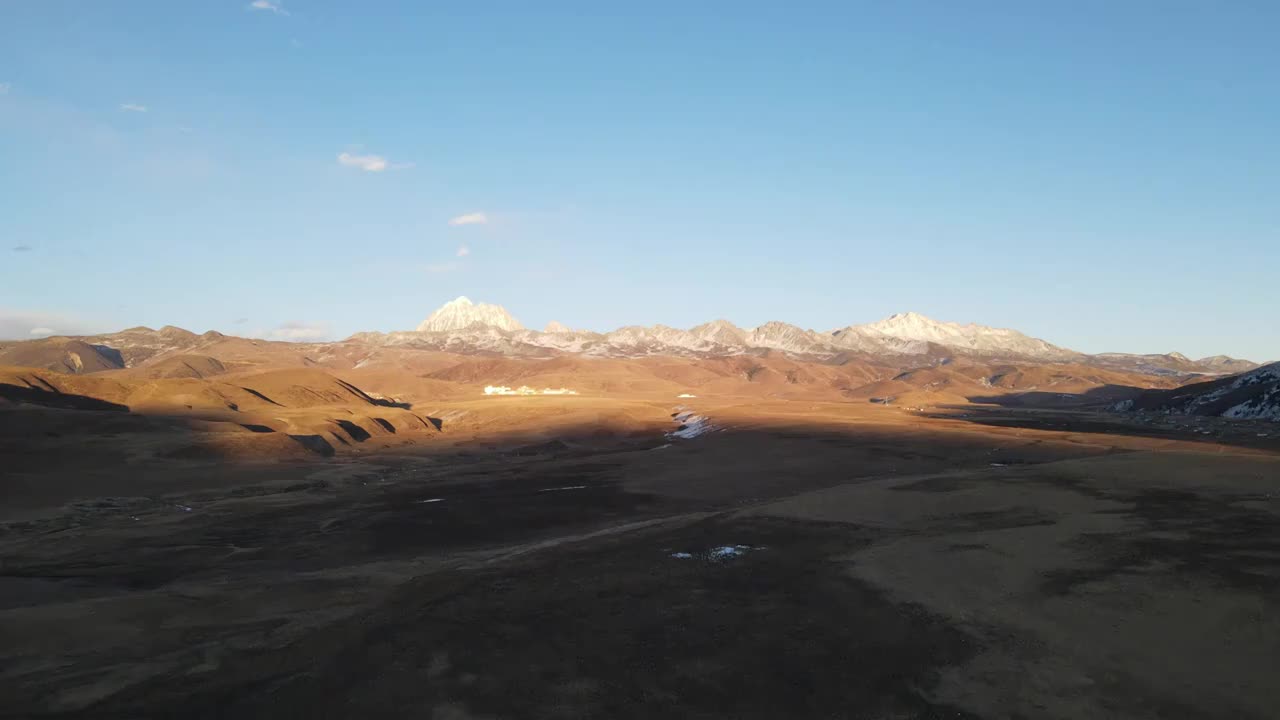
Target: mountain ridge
(901, 335)
(905, 340)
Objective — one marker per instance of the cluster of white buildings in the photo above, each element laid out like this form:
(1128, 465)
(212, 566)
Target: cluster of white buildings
(526, 390)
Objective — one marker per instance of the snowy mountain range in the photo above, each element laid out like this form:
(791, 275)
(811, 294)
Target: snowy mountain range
(907, 340)
(463, 326)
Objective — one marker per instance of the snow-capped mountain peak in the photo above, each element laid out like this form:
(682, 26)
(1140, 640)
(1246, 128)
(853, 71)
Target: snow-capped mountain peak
(914, 326)
(720, 332)
(461, 312)
(465, 326)
(913, 333)
(910, 331)
(778, 335)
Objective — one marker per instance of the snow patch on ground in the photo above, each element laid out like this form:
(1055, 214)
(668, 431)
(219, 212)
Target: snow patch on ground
(691, 424)
(723, 552)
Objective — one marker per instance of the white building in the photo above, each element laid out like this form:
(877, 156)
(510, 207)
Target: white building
(526, 390)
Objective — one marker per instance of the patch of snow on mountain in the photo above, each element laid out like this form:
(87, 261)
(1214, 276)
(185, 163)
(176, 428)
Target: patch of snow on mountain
(720, 332)
(462, 313)
(1263, 407)
(658, 339)
(1264, 374)
(980, 339)
(789, 338)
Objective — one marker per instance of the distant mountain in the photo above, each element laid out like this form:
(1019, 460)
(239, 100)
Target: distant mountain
(904, 341)
(912, 332)
(109, 351)
(1171, 364)
(776, 335)
(720, 332)
(1222, 363)
(1254, 395)
(139, 344)
(62, 354)
(655, 340)
(462, 313)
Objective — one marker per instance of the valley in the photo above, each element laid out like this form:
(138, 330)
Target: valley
(229, 527)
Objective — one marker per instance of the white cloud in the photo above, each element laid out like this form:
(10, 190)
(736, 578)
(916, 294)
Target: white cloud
(444, 267)
(25, 324)
(368, 163)
(4, 88)
(299, 332)
(463, 251)
(133, 107)
(268, 5)
(476, 218)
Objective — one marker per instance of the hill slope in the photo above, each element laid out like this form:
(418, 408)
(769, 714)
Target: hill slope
(1254, 395)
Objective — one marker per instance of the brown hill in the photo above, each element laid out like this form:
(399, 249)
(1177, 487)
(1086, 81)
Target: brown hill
(301, 388)
(180, 366)
(275, 414)
(53, 383)
(61, 354)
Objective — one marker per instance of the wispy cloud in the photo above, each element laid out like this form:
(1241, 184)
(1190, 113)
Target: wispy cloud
(22, 248)
(367, 163)
(475, 218)
(133, 107)
(4, 88)
(463, 251)
(370, 163)
(443, 267)
(41, 331)
(299, 332)
(268, 6)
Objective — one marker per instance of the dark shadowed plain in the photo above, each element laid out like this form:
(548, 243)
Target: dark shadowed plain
(330, 548)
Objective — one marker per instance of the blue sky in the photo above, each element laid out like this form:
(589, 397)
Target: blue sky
(1105, 175)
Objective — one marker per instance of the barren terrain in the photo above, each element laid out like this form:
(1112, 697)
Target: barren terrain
(257, 536)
